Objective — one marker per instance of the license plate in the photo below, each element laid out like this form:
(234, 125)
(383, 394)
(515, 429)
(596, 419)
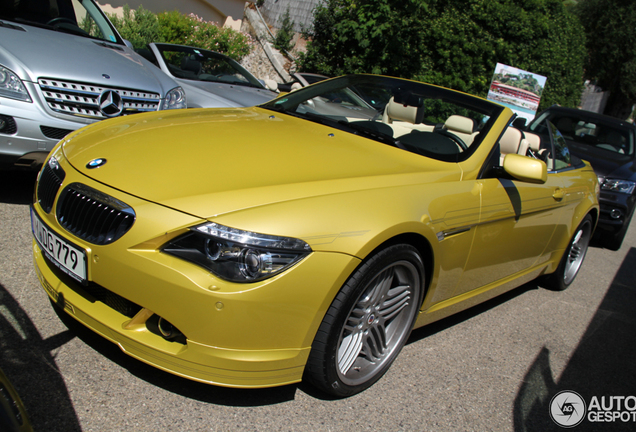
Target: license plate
(65, 255)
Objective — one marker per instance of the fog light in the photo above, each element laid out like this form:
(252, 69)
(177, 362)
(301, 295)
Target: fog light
(7, 125)
(616, 214)
(168, 331)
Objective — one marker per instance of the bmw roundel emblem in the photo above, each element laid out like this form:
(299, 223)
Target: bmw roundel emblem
(96, 163)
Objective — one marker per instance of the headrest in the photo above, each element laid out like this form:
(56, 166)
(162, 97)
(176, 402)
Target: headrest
(396, 111)
(533, 140)
(565, 125)
(460, 124)
(509, 142)
(191, 64)
(612, 137)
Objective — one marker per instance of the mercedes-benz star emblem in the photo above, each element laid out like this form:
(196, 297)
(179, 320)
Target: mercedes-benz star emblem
(110, 103)
(96, 163)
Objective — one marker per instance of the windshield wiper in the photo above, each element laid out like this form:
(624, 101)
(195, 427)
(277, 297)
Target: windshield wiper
(9, 25)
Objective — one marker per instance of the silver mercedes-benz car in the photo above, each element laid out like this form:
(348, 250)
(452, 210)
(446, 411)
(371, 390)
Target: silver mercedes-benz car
(210, 79)
(63, 66)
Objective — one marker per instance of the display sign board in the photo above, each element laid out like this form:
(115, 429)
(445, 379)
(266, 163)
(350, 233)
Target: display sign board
(517, 89)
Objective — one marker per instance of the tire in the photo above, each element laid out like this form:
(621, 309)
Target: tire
(368, 322)
(614, 242)
(573, 257)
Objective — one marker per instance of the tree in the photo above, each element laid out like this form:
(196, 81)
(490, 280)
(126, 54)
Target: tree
(610, 26)
(454, 43)
(142, 26)
(285, 35)
(137, 26)
(381, 37)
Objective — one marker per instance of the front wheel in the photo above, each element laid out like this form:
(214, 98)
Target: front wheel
(573, 257)
(368, 322)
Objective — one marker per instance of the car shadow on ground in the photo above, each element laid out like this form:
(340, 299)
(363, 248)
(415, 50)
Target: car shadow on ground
(187, 388)
(16, 186)
(453, 320)
(251, 397)
(602, 365)
(27, 361)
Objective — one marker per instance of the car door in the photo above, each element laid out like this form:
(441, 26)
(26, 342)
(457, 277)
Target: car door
(516, 225)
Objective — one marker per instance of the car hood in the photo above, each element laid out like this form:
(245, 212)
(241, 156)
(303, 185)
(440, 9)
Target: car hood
(201, 94)
(209, 162)
(37, 52)
(606, 164)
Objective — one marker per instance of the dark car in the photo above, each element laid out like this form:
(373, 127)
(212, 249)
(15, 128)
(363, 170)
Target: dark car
(608, 144)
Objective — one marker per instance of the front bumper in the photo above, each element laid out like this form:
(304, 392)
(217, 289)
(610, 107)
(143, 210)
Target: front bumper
(236, 335)
(34, 130)
(615, 210)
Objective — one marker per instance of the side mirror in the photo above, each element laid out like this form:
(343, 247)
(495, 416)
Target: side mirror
(525, 168)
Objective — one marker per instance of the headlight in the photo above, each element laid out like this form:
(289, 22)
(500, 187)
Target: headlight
(175, 99)
(615, 185)
(11, 86)
(237, 255)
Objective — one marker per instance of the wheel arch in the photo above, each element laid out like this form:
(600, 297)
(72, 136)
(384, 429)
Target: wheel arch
(421, 244)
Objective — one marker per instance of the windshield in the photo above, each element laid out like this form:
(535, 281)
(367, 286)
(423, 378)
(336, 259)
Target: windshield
(419, 118)
(591, 134)
(80, 17)
(203, 65)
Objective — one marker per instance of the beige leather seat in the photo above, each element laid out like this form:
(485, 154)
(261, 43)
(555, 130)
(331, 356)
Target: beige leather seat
(534, 142)
(462, 127)
(404, 119)
(509, 143)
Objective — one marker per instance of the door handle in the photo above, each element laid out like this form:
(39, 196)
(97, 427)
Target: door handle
(558, 194)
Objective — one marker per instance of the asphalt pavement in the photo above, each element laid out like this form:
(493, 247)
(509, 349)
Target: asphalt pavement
(495, 367)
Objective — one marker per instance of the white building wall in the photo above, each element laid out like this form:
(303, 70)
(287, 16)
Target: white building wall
(223, 12)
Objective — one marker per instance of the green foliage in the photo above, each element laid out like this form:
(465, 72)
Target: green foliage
(142, 27)
(193, 31)
(89, 25)
(610, 26)
(453, 43)
(284, 36)
(381, 37)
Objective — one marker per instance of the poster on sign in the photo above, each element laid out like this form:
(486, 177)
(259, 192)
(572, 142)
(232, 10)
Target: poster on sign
(517, 89)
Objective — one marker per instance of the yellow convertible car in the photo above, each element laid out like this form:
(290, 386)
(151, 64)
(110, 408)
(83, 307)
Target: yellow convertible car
(306, 237)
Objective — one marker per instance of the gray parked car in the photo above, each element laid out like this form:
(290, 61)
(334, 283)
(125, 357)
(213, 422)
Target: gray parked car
(210, 79)
(63, 66)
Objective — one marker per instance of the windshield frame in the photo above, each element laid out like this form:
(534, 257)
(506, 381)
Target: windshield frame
(251, 80)
(419, 95)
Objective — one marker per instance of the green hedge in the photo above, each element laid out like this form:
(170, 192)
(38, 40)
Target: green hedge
(142, 26)
(453, 43)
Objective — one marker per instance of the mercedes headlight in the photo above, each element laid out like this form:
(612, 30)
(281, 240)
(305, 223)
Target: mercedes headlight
(11, 86)
(175, 99)
(616, 185)
(236, 255)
